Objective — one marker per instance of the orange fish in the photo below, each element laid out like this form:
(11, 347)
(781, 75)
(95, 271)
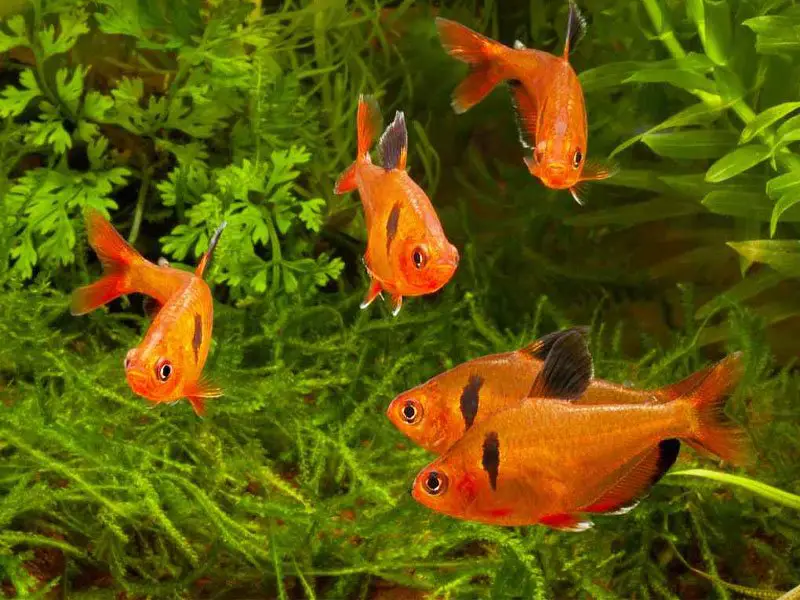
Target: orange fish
(407, 251)
(168, 364)
(552, 461)
(547, 98)
(437, 413)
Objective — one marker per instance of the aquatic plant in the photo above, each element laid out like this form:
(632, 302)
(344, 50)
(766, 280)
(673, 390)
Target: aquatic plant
(295, 485)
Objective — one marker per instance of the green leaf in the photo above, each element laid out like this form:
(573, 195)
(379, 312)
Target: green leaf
(70, 88)
(71, 27)
(762, 490)
(662, 208)
(687, 80)
(754, 206)
(778, 186)
(736, 162)
(311, 213)
(781, 255)
(749, 287)
(691, 144)
(766, 118)
(718, 31)
(784, 203)
(775, 34)
(15, 100)
(19, 35)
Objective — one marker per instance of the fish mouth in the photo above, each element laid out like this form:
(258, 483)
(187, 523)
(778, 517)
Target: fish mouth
(137, 381)
(556, 175)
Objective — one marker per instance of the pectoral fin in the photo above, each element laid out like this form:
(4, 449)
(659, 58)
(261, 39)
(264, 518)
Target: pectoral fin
(198, 392)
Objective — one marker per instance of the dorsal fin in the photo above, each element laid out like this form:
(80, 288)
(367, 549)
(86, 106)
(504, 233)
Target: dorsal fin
(540, 348)
(567, 370)
(636, 479)
(394, 143)
(206, 260)
(518, 45)
(576, 28)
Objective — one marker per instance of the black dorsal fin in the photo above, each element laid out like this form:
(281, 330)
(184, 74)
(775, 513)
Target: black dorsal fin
(212, 245)
(394, 143)
(540, 348)
(576, 28)
(567, 370)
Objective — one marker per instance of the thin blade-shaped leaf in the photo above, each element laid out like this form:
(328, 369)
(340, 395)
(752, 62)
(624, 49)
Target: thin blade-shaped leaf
(766, 118)
(687, 80)
(752, 206)
(763, 490)
(736, 162)
(632, 214)
(749, 287)
(778, 186)
(692, 144)
(781, 255)
(785, 203)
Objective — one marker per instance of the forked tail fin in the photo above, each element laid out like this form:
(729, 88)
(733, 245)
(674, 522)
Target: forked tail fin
(480, 53)
(368, 123)
(712, 431)
(117, 257)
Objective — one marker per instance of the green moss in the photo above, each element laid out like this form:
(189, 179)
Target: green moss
(296, 485)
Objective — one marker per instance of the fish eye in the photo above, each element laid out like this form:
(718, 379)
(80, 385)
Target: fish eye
(163, 369)
(435, 483)
(419, 257)
(576, 160)
(411, 412)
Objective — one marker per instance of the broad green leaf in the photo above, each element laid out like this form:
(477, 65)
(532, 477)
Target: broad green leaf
(615, 74)
(775, 34)
(736, 162)
(729, 86)
(696, 114)
(763, 490)
(659, 209)
(717, 21)
(766, 118)
(691, 144)
(786, 202)
(781, 255)
(748, 205)
(687, 80)
(778, 186)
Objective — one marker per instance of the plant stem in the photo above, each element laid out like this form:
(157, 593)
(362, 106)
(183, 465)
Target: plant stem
(147, 172)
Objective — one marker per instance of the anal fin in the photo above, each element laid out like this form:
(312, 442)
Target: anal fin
(566, 522)
(635, 479)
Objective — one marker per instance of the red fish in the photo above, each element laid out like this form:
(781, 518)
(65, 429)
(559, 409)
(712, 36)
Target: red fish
(437, 413)
(552, 461)
(168, 364)
(547, 97)
(407, 251)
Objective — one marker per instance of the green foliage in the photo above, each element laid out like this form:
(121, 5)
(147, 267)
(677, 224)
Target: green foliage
(172, 116)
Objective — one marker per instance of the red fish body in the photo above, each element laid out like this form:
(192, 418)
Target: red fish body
(168, 364)
(552, 461)
(407, 251)
(547, 97)
(437, 413)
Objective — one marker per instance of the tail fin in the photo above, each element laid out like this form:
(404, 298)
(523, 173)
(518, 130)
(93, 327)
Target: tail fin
(480, 53)
(117, 257)
(712, 431)
(368, 123)
(212, 245)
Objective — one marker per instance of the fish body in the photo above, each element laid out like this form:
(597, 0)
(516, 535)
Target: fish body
(552, 461)
(168, 364)
(547, 98)
(437, 413)
(407, 252)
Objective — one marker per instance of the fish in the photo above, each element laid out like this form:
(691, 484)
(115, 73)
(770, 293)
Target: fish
(547, 99)
(437, 413)
(168, 364)
(407, 251)
(555, 462)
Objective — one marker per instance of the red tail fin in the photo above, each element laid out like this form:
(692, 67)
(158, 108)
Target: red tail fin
(480, 53)
(368, 124)
(117, 257)
(712, 431)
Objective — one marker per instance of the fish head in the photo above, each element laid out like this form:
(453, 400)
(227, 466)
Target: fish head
(557, 162)
(425, 262)
(444, 487)
(153, 375)
(422, 415)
